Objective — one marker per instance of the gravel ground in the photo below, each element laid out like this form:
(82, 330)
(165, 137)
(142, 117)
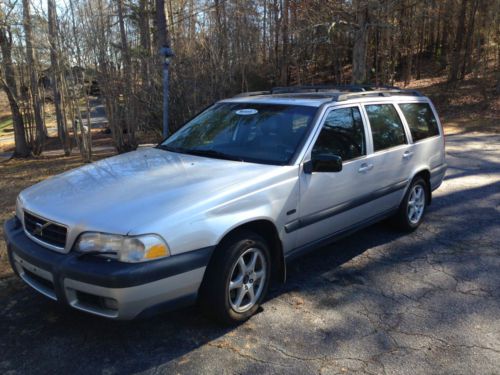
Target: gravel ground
(376, 302)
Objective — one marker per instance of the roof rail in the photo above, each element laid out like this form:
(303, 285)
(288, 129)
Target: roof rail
(375, 93)
(370, 87)
(253, 93)
(316, 88)
(340, 92)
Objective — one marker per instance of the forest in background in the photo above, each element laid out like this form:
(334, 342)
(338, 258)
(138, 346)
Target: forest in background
(63, 52)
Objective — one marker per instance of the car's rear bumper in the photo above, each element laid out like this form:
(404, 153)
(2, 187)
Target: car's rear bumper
(106, 287)
(437, 175)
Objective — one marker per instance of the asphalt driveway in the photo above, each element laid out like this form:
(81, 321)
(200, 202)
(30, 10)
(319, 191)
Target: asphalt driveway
(376, 302)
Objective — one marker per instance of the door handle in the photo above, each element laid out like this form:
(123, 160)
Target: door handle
(407, 154)
(365, 168)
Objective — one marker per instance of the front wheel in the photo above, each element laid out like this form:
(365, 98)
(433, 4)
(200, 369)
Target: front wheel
(237, 279)
(413, 206)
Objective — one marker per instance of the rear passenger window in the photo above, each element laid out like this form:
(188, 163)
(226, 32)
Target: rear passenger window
(420, 119)
(387, 128)
(342, 134)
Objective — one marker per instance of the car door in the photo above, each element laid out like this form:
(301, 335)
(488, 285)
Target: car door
(392, 156)
(333, 201)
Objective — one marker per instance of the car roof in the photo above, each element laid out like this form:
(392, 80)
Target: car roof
(315, 96)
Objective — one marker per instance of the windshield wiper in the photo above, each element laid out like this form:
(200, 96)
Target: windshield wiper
(213, 154)
(209, 153)
(172, 149)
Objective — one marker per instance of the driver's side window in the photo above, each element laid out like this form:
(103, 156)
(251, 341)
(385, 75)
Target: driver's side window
(342, 134)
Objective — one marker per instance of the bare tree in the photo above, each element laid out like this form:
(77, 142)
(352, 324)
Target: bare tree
(467, 61)
(82, 134)
(285, 14)
(128, 110)
(360, 42)
(223, 47)
(34, 90)
(145, 40)
(457, 46)
(62, 129)
(9, 85)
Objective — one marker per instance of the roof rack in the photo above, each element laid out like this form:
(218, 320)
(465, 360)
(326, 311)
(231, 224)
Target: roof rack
(380, 87)
(253, 93)
(338, 92)
(316, 88)
(375, 93)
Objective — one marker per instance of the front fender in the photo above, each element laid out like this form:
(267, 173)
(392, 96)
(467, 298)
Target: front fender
(203, 225)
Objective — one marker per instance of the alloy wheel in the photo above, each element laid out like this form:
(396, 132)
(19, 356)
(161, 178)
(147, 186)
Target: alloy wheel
(247, 280)
(416, 204)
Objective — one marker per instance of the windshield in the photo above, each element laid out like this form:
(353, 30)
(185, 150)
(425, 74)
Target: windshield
(261, 133)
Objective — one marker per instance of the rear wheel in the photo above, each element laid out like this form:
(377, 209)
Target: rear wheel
(237, 279)
(413, 206)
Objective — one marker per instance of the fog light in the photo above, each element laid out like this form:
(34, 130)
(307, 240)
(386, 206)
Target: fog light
(110, 303)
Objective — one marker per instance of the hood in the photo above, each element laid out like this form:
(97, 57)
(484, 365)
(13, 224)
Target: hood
(119, 193)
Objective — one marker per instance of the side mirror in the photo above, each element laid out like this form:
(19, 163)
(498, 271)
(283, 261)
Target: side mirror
(323, 163)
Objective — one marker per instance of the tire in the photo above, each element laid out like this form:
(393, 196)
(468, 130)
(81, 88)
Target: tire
(226, 291)
(410, 215)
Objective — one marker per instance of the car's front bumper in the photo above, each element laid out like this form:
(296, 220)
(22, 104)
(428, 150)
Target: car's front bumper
(102, 286)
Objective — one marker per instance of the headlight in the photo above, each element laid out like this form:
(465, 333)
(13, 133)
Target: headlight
(124, 248)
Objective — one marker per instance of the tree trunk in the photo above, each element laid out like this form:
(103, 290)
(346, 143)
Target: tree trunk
(445, 41)
(421, 45)
(192, 20)
(276, 40)
(221, 66)
(285, 10)
(127, 79)
(161, 25)
(360, 43)
(145, 42)
(457, 47)
(85, 143)
(466, 67)
(170, 15)
(264, 32)
(35, 93)
(407, 38)
(163, 42)
(10, 87)
(62, 130)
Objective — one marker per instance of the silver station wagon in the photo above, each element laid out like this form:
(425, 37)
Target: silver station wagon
(213, 213)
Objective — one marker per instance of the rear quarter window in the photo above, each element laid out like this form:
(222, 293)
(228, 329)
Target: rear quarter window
(421, 120)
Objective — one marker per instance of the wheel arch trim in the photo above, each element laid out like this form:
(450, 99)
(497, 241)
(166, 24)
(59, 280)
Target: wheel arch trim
(266, 228)
(424, 172)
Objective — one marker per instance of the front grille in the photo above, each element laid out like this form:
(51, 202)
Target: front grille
(45, 230)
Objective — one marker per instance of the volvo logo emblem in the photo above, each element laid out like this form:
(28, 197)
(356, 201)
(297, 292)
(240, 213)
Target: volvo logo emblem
(38, 231)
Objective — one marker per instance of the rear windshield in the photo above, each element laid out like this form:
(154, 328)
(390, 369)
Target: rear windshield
(261, 133)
